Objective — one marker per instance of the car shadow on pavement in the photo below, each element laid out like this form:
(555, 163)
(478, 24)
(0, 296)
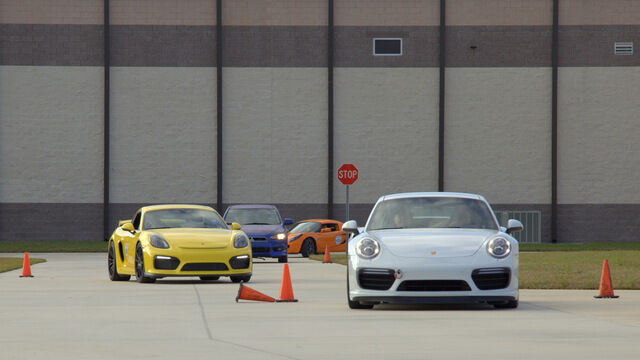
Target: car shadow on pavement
(434, 307)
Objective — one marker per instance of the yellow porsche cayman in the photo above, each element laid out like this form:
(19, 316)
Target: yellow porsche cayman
(178, 240)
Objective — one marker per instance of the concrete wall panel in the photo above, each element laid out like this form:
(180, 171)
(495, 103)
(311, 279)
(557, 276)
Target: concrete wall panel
(598, 12)
(275, 12)
(387, 13)
(51, 133)
(163, 12)
(599, 133)
(498, 133)
(386, 124)
(500, 12)
(52, 12)
(163, 135)
(275, 135)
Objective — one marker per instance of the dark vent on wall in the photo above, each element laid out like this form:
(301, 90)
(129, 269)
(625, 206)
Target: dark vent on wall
(387, 46)
(623, 48)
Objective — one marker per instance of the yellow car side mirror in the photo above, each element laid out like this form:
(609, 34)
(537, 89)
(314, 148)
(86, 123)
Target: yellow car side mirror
(235, 226)
(128, 227)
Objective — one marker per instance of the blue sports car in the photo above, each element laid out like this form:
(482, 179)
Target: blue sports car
(265, 228)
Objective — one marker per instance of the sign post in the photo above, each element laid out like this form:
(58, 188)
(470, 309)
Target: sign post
(347, 174)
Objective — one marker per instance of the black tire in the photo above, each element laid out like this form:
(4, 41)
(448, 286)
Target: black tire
(283, 259)
(511, 304)
(355, 304)
(238, 278)
(112, 266)
(308, 247)
(140, 267)
(209, 278)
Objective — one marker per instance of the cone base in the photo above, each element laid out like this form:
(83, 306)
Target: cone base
(607, 297)
(293, 300)
(26, 275)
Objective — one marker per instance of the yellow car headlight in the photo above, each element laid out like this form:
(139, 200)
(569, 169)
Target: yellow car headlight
(240, 241)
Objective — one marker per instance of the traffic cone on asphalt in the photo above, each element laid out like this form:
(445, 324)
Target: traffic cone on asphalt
(327, 255)
(606, 289)
(26, 266)
(286, 292)
(247, 293)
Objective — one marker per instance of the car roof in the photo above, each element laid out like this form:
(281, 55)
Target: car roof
(175, 206)
(432, 194)
(252, 206)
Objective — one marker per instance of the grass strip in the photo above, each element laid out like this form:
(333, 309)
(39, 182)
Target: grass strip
(567, 269)
(8, 263)
(52, 246)
(601, 246)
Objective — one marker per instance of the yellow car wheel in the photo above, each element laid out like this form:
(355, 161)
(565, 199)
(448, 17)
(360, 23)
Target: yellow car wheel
(140, 267)
(113, 267)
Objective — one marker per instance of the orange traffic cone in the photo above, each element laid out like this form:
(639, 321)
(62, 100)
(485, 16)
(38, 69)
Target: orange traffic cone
(247, 293)
(606, 289)
(327, 255)
(26, 266)
(286, 292)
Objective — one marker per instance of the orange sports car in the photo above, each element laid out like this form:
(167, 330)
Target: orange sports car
(312, 236)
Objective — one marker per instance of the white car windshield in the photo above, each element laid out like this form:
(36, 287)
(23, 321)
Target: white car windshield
(258, 216)
(182, 218)
(431, 212)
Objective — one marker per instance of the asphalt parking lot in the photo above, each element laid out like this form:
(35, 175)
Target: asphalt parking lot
(70, 310)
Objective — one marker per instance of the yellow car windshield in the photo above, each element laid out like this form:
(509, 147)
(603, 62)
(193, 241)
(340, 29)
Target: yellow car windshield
(182, 218)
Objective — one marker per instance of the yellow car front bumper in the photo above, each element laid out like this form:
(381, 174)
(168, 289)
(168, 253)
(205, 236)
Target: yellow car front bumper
(196, 262)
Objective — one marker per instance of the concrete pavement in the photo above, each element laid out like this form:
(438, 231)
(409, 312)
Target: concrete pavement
(70, 310)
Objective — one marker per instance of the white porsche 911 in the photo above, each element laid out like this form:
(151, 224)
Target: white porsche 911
(433, 248)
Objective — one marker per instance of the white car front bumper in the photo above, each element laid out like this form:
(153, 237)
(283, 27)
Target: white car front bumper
(433, 279)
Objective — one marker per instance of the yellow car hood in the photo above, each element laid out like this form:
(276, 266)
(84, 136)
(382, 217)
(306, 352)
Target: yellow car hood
(197, 238)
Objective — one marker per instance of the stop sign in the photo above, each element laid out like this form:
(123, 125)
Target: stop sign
(347, 174)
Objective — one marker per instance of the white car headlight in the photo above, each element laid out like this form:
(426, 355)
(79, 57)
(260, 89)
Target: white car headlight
(240, 241)
(157, 241)
(367, 248)
(279, 236)
(499, 247)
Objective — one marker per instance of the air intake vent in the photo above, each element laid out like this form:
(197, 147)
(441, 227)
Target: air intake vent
(387, 46)
(376, 279)
(434, 285)
(491, 278)
(205, 267)
(623, 48)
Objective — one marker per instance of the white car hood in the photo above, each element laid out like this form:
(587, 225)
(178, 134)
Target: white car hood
(424, 243)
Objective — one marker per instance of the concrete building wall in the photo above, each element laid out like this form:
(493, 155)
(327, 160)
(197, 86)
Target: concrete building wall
(275, 135)
(275, 13)
(386, 124)
(275, 108)
(51, 134)
(163, 135)
(595, 12)
(599, 131)
(498, 130)
(500, 12)
(52, 12)
(387, 13)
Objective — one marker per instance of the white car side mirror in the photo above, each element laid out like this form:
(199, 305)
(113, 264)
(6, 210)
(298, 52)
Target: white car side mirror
(351, 227)
(514, 225)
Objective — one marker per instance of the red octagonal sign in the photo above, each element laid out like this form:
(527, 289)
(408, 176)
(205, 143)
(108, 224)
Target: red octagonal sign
(347, 174)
